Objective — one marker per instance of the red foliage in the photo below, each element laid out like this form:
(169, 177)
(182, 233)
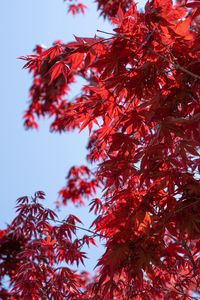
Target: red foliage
(141, 105)
(75, 7)
(79, 185)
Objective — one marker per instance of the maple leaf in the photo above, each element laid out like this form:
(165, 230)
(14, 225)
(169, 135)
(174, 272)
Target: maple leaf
(48, 241)
(60, 68)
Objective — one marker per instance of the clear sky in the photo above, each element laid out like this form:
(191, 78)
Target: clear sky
(35, 160)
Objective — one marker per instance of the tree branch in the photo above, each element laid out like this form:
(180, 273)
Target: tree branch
(176, 65)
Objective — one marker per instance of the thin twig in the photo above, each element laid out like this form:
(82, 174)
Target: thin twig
(79, 227)
(185, 246)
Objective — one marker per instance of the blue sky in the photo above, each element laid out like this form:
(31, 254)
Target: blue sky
(36, 160)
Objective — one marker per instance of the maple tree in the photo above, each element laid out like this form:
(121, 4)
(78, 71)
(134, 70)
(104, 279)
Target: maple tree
(142, 108)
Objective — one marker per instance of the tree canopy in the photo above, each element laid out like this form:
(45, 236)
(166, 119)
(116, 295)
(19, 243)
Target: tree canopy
(141, 105)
